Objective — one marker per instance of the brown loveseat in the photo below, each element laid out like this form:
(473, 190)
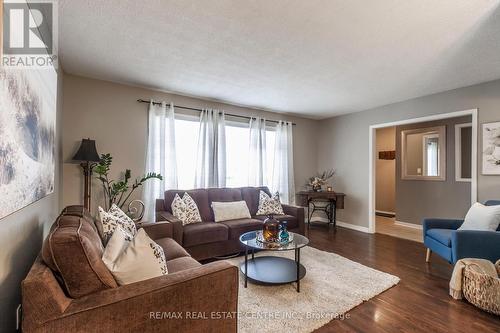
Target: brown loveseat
(69, 289)
(208, 239)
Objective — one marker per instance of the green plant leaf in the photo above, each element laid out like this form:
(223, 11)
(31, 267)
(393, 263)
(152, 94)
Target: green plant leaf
(116, 190)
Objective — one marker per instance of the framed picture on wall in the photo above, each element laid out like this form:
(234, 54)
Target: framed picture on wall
(491, 148)
(27, 136)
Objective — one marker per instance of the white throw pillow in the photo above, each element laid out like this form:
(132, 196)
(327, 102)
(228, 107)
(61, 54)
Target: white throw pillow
(268, 205)
(224, 211)
(185, 209)
(481, 217)
(110, 221)
(134, 261)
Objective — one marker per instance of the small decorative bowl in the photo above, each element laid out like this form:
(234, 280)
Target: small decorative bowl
(260, 238)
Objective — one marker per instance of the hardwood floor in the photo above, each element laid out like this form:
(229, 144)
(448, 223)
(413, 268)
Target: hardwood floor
(387, 226)
(419, 303)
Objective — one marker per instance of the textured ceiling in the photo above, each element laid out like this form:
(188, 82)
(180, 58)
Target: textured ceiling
(316, 58)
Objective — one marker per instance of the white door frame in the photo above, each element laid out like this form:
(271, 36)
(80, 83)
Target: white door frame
(372, 155)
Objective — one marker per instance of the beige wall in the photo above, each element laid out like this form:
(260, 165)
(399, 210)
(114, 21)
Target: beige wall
(109, 113)
(417, 199)
(343, 141)
(386, 171)
(21, 237)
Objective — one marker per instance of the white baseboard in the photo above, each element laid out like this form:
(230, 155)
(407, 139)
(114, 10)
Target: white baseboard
(409, 225)
(384, 212)
(344, 225)
(353, 227)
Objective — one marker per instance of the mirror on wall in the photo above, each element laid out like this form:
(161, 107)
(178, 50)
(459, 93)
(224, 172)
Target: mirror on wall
(463, 152)
(424, 153)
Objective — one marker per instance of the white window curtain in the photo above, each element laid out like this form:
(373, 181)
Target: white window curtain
(160, 156)
(283, 181)
(211, 156)
(257, 165)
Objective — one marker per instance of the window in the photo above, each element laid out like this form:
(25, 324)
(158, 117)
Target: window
(186, 144)
(270, 140)
(424, 153)
(237, 154)
(431, 155)
(237, 157)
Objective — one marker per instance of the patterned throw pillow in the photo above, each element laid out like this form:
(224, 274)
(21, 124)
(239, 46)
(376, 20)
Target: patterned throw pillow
(110, 222)
(127, 223)
(185, 209)
(160, 256)
(268, 205)
(178, 207)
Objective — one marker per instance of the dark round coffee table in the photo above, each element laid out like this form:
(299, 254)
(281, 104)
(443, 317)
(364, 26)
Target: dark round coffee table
(271, 269)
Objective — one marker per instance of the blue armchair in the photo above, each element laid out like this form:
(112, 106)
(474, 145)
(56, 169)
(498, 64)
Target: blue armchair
(441, 236)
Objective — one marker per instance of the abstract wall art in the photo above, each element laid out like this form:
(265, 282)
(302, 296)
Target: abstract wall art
(491, 149)
(27, 136)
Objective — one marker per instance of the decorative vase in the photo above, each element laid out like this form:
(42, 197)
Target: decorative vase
(284, 235)
(316, 188)
(271, 229)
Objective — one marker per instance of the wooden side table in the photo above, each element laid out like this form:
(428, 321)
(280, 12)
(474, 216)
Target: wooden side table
(335, 201)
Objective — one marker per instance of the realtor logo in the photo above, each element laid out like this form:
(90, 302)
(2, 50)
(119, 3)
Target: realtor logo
(28, 33)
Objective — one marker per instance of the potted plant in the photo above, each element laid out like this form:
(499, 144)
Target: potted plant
(118, 191)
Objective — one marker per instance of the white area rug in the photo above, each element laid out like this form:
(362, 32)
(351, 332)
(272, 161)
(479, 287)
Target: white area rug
(332, 286)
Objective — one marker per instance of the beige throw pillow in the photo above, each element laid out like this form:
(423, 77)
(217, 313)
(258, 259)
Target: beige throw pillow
(224, 211)
(136, 260)
(268, 205)
(115, 247)
(185, 209)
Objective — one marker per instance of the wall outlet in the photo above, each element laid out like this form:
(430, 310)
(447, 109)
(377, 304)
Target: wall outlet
(19, 316)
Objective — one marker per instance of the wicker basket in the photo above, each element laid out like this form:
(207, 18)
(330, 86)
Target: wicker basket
(481, 289)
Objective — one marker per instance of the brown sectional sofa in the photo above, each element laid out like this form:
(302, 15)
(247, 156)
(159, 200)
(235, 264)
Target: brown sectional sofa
(209, 239)
(69, 289)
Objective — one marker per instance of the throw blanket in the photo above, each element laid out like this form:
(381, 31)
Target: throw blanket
(480, 265)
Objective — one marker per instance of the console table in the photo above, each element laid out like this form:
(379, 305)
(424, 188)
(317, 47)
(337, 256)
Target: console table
(335, 201)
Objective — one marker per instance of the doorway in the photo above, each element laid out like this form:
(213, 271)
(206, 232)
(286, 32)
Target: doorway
(385, 186)
(410, 157)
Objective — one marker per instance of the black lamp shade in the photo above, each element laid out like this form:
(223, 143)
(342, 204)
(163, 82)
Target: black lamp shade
(87, 152)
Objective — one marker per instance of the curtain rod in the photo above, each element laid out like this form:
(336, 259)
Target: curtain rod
(199, 110)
